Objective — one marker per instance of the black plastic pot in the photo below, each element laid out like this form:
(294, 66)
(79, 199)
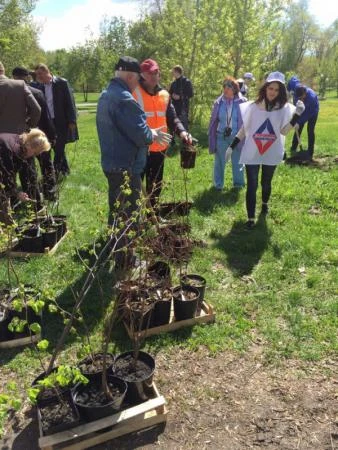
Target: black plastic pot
(188, 159)
(63, 220)
(185, 308)
(32, 241)
(160, 270)
(195, 281)
(5, 299)
(5, 334)
(50, 237)
(51, 395)
(141, 319)
(96, 373)
(139, 380)
(27, 313)
(89, 409)
(62, 422)
(161, 315)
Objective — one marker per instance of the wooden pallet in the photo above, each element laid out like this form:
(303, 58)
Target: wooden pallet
(145, 415)
(206, 315)
(47, 250)
(21, 341)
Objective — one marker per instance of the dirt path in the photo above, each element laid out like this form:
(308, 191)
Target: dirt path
(234, 402)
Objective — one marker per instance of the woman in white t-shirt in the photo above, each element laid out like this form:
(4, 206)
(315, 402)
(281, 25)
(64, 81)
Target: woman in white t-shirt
(266, 121)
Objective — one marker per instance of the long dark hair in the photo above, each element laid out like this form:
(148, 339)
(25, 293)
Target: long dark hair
(280, 100)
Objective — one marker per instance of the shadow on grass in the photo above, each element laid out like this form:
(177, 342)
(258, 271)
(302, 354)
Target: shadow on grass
(243, 248)
(209, 199)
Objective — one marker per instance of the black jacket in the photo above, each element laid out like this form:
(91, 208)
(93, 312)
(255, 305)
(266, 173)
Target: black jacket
(183, 87)
(64, 108)
(45, 123)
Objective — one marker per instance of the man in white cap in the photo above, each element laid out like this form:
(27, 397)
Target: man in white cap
(248, 78)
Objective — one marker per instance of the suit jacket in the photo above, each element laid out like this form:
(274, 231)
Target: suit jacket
(45, 123)
(64, 107)
(18, 108)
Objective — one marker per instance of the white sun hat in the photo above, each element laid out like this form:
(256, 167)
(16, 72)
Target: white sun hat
(275, 76)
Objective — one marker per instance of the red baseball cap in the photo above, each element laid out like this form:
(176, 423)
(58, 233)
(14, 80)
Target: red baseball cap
(149, 65)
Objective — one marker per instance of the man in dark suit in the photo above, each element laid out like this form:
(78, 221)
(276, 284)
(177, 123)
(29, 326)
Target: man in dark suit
(47, 126)
(61, 107)
(181, 92)
(18, 108)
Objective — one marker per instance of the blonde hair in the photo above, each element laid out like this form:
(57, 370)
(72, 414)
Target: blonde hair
(36, 140)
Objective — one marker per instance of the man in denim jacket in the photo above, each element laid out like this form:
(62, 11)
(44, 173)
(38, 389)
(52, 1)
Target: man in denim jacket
(123, 135)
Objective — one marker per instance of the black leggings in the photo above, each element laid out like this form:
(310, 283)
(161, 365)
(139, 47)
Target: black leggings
(252, 172)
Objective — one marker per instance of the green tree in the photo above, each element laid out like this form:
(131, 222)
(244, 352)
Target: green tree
(18, 34)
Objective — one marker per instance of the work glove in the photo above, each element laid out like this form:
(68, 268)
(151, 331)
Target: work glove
(228, 154)
(161, 137)
(186, 137)
(300, 108)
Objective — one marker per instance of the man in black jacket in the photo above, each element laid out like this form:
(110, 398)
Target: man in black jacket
(61, 107)
(181, 92)
(47, 126)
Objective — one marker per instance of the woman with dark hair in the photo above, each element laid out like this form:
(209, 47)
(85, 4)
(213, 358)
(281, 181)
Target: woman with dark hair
(265, 123)
(225, 122)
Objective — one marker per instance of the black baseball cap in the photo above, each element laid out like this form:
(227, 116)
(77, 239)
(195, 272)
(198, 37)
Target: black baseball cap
(128, 64)
(20, 72)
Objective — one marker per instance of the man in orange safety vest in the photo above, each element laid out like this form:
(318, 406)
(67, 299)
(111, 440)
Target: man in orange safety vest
(160, 112)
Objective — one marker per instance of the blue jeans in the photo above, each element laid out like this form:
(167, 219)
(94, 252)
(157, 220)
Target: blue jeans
(310, 135)
(219, 164)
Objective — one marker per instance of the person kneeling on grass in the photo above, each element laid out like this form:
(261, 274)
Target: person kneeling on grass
(265, 123)
(16, 156)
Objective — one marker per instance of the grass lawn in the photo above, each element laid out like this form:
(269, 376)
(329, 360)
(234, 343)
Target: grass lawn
(276, 284)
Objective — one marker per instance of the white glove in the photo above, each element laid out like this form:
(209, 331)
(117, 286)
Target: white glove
(300, 107)
(160, 136)
(228, 154)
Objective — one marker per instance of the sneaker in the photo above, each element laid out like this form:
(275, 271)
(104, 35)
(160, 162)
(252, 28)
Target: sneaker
(265, 208)
(250, 224)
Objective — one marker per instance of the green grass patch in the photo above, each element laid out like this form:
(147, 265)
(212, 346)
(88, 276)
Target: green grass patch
(276, 283)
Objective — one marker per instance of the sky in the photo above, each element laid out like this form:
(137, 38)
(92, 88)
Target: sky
(67, 22)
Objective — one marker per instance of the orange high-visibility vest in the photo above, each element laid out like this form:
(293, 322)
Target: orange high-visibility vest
(155, 108)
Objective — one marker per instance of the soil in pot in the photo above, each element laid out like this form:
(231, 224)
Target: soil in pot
(162, 307)
(196, 281)
(137, 373)
(93, 403)
(58, 416)
(139, 312)
(52, 394)
(185, 302)
(92, 366)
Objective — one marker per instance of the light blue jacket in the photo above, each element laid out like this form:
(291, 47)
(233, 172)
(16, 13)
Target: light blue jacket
(121, 126)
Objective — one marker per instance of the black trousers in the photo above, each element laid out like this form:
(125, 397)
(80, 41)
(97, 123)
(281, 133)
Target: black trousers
(154, 175)
(310, 135)
(252, 172)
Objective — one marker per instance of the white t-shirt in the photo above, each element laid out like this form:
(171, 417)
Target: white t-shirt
(264, 143)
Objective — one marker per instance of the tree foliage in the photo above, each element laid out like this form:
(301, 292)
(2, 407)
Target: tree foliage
(18, 34)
